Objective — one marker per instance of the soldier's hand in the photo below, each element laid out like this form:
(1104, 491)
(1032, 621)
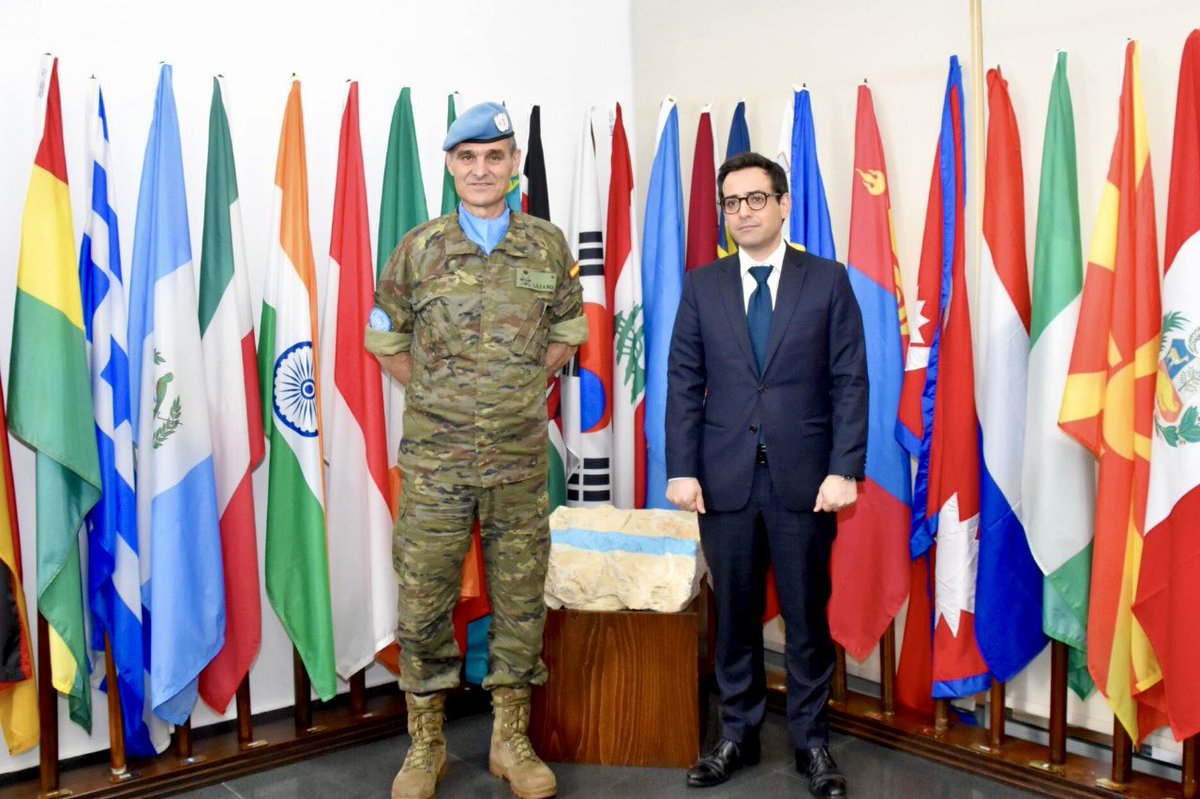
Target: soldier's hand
(557, 355)
(399, 366)
(685, 494)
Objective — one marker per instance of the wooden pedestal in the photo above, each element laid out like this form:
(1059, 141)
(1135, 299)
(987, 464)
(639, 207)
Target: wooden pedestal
(622, 689)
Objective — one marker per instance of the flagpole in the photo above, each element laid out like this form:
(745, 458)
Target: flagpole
(116, 728)
(977, 149)
(838, 688)
(48, 711)
(996, 716)
(887, 669)
(245, 718)
(358, 693)
(1122, 757)
(1188, 777)
(1058, 704)
(302, 710)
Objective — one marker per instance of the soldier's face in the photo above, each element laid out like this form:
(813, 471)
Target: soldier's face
(761, 229)
(481, 174)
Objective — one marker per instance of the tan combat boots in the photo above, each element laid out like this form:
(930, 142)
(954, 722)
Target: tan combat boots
(425, 762)
(512, 757)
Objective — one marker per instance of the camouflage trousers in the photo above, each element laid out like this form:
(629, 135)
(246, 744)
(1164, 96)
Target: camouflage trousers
(430, 541)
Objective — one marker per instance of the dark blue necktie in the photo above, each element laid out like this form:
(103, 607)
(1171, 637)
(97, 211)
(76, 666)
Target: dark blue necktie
(758, 315)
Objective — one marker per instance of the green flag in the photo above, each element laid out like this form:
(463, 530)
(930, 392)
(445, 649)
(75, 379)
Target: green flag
(1059, 487)
(449, 195)
(403, 205)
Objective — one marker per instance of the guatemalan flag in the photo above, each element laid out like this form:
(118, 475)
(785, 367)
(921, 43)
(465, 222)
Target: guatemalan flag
(178, 523)
(114, 572)
(939, 427)
(1008, 600)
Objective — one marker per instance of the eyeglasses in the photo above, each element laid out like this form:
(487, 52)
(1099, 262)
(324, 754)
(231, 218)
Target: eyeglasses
(757, 200)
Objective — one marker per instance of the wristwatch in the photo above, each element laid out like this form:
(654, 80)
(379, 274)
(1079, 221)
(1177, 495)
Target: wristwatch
(849, 477)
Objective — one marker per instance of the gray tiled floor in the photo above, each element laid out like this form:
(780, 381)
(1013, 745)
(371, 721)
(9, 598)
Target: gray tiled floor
(366, 772)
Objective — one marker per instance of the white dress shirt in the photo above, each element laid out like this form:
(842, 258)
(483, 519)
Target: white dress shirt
(749, 284)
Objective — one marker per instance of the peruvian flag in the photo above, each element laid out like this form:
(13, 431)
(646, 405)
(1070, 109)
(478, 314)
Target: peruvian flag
(358, 517)
(1168, 592)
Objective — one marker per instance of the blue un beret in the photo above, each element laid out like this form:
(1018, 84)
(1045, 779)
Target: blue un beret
(486, 122)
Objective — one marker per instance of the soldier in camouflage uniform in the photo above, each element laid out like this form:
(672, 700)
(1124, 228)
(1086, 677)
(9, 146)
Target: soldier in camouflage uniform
(473, 311)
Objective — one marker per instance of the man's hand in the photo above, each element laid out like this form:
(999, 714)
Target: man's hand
(399, 366)
(685, 494)
(836, 493)
(557, 355)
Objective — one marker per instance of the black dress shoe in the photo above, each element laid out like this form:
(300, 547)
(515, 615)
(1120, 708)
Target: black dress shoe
(725, 758)
(824, 777)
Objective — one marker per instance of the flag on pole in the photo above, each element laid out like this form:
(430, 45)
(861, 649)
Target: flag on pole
(449, 195)
(230, 360)
(297, 567)
(114, 572)
(178, 522)
(738, 143)
(623, 293)
(50, 404)
(1108, 406)
(1168, 591)
(946, 496)
(18, 686)
(810, 226)
(588, 388)
(783, 153)
(702, 229)
(1058, 480)
(662, 286)
(1008, 598)
(362, 583)
(871, 547)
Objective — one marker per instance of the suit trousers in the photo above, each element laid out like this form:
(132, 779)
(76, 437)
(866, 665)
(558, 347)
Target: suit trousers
(738, 547)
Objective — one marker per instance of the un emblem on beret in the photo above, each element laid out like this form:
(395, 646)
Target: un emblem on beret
(379, 320)
(501, 121)
(295, 397)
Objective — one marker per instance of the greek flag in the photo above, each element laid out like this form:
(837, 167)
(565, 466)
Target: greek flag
(114, 590)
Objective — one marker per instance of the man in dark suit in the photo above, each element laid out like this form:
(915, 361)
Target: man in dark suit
(766, 436)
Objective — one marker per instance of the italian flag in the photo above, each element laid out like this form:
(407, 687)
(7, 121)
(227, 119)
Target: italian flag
(297, 566)
(362, 583)
(227, 338)
(50, 404)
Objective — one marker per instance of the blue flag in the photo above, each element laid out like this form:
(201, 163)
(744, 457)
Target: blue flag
(114, 581)
(662, 286)
(810, 226)
(739, 142)
(176, 487)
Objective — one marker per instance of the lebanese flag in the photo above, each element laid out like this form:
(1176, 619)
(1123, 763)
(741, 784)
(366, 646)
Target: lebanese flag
(358, 519)
(871, 547)
(1168, 592)
(623, 283)
(1108, 406)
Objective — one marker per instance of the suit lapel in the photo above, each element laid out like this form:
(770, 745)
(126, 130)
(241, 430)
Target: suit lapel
(735, 307)
(791, 281)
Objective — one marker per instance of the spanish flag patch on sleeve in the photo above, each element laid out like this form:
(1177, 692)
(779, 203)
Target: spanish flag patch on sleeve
(573, 272)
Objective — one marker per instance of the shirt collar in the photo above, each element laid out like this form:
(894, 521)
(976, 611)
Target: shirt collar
(487, 233)
(775, 259)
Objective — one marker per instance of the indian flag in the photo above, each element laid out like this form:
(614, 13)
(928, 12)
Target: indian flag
(362, 583)
(297, 567)
(50, 404)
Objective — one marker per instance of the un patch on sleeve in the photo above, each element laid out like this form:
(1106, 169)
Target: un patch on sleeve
(380, 320)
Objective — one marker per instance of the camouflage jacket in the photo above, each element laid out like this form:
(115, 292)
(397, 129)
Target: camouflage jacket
(478, 328)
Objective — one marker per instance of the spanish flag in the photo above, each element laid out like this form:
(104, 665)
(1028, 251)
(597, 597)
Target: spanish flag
(1108, 406)
(50, 403)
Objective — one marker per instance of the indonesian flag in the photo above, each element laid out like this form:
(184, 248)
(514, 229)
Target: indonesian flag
(1168, 591)
(1108, 406)
(623, 282)
(357, 516)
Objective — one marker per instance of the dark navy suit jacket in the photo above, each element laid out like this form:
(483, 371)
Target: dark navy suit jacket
(810, 401)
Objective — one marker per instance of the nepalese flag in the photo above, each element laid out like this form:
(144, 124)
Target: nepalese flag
(623, 293)
(738, 143)
(871, 547)
(1168, 591)
(946, 496)
(1008, 598)
(702, 229)
(297, 563)
(114, 571)
(1108, 406)
(662, 286)
(230, 360)
(357, 513)
(588, 387)
(449, 194)
(178, 521)
(50, 404)
(810, 226)
(1058, 486)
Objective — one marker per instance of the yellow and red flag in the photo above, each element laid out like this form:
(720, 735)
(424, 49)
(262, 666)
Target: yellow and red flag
(1108, 406)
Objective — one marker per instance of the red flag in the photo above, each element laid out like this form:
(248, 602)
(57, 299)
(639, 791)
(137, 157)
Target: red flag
(702, 206)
